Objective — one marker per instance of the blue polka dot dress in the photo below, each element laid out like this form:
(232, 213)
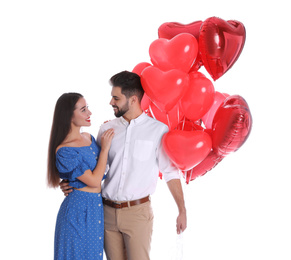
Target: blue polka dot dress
(79, 230)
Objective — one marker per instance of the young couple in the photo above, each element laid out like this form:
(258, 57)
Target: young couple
(131, 146)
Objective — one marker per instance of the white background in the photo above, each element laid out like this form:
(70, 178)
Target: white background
(239, 210)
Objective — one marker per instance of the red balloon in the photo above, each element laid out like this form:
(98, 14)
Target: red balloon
(171, 29)
(165, 89)
(220, 44)
(203, 167)
(171, 118)
(145, 102)
(218, 100)
(185, 148)
(177, 53)
(231, 128)
(199, 96)
(231, 125)
(140, 67)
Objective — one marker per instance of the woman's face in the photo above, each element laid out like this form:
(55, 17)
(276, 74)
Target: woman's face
(81, 116)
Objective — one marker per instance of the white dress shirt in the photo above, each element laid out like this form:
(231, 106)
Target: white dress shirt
(135, 158)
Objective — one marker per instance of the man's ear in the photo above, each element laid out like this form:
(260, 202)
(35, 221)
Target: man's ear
(134, 99)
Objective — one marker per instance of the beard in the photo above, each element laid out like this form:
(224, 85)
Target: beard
(121, 111)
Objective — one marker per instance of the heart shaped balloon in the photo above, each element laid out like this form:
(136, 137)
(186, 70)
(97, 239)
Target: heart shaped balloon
(220, 44)
(171, 29)
(177, 53)
(203, 167)
(231, 125)
(186, 148)
(140, 67)
(164, 88)
(199, 96)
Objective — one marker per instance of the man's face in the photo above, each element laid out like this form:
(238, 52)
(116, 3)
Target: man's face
(119, 102)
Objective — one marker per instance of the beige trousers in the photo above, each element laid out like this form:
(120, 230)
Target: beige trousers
(128, 232)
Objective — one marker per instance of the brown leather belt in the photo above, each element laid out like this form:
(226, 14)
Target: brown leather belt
(126, 204)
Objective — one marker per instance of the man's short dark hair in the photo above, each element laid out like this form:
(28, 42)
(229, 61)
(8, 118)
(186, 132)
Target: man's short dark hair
(129, 82)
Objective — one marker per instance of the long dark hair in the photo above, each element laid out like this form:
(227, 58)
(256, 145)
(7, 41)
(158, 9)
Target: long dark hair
(61, 126)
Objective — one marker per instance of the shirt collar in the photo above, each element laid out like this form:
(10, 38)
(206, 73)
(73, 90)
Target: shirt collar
(135, 121)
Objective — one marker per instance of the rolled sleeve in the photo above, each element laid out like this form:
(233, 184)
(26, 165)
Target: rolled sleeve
(166, 166)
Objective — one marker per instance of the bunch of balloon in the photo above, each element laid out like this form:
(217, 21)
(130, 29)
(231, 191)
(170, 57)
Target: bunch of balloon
(204, 125)
(220, 42)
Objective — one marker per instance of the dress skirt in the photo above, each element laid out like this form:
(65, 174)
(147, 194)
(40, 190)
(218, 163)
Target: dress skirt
(79, 233)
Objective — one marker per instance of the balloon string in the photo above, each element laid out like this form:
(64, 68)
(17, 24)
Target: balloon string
(179, 246)
(191, 174)
(151, 111)
(169, 122)
(178, 115)
(183, 125)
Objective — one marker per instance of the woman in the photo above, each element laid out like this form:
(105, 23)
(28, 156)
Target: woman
(76, 157)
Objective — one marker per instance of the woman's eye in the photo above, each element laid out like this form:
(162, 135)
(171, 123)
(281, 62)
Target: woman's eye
(85, 109)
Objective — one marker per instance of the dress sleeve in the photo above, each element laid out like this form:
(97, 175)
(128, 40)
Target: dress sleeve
(70, 163)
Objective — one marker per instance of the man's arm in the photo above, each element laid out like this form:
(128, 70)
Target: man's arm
(175, 188)
(171, 175)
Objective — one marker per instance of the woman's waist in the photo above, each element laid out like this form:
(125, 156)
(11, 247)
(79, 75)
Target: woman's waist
(89, 189)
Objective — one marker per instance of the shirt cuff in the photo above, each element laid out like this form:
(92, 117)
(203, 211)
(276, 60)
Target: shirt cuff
(171, 176)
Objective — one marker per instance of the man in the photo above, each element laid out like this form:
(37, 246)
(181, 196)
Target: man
(135, 158)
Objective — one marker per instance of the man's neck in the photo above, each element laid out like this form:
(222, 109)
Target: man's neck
(130, 116)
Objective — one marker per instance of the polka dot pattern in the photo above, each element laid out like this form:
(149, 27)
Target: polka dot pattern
(80, 227)
(72, 162)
